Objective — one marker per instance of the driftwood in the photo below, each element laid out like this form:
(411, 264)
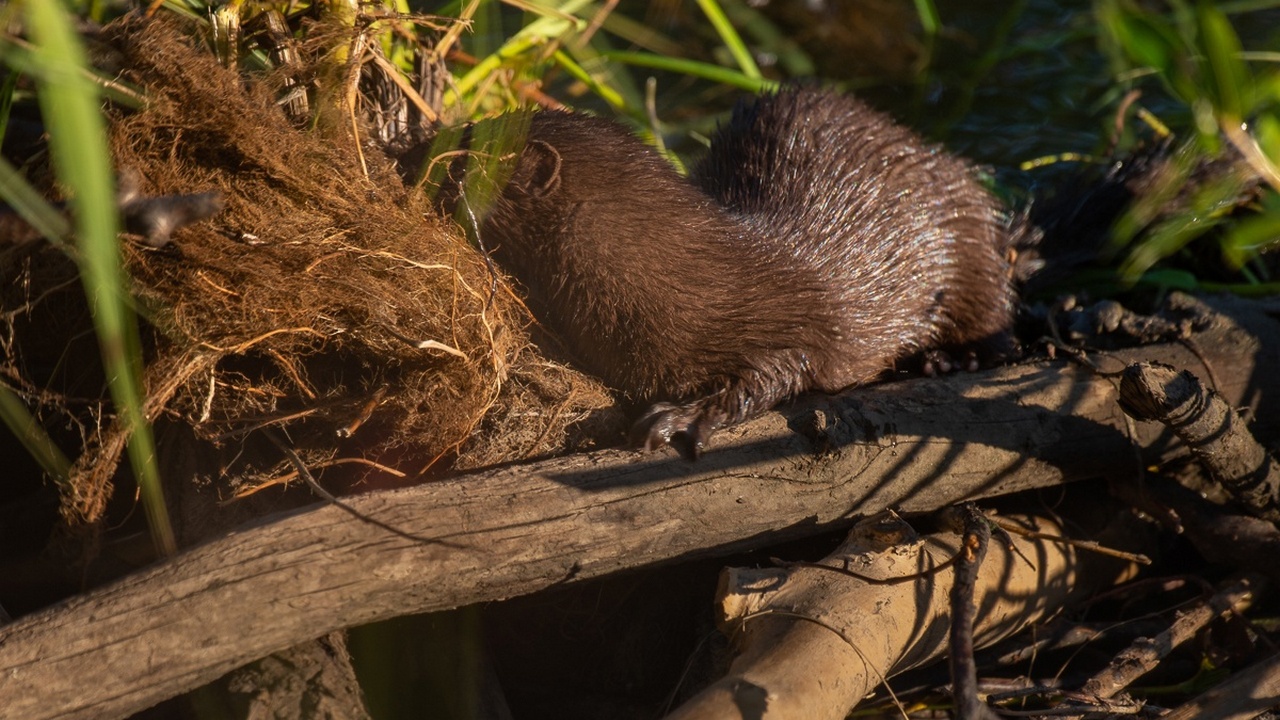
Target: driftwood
(1216, 434)
(818, 637)
(915, 446)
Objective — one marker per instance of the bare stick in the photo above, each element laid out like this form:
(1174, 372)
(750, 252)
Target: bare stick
(1214, 432)
(1143, 655)
(964, 669)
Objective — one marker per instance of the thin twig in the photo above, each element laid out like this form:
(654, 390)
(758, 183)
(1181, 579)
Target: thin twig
(964, 670)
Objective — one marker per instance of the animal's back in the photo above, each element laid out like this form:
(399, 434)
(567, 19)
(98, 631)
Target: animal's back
(909, 246)
(653, 286)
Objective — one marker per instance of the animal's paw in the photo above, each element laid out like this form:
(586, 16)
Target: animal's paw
(939, 362)
(687, 427)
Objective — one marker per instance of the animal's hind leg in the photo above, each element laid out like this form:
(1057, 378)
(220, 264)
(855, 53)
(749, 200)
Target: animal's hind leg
(687, 426)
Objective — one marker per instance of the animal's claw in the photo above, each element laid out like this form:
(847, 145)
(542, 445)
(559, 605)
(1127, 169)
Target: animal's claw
(684, 427)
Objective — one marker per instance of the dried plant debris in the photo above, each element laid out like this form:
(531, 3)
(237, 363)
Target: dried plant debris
(324, 300)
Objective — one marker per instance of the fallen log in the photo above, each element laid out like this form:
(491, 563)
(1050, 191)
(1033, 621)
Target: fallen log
(915, 446)
(818, 637)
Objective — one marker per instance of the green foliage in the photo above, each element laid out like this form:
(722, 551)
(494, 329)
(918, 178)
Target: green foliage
(1198, 58)
(33, 437)
(555, 38)
(488, 172)
(32, 206)
(729, 36)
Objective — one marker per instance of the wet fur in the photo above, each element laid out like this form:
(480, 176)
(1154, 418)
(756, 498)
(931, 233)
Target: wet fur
(815, 245)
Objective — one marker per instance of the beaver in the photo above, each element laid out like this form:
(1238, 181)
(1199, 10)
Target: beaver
(817, 244)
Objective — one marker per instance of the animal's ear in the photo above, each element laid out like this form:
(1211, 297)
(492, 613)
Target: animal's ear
(538, 171)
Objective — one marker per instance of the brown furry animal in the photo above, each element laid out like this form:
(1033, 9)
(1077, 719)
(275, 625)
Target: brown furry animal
(817, 244)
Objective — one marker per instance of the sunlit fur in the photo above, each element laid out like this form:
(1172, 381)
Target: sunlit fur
(910, 248)
(816, 244)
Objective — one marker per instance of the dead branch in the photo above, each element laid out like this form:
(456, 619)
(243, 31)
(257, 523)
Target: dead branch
(1145, 653)
(1216, 435)
(975, 537)
(916, 445)
(818, 637)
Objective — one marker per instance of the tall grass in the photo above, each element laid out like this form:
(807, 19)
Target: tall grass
(70, 107)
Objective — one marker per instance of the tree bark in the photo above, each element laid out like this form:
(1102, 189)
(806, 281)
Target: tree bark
(1214, 432)
(490, 535)
(817, 637)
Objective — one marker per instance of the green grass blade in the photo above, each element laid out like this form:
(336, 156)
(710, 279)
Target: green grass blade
(18, 55)
(70, 104)
(635, 32)
(693, 68)
(729, 36)
(605, 92)
(6, 101)
(930, 20)
(31, 206)
(618, 79)
(192, 10)
(791, 58)
(33, 437)
(537, 33)
(1229, 79)
(516, 47)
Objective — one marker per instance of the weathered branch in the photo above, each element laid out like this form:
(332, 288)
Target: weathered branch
(1145, 653)
(969, 571)
(1215, 433)
(491, 535)
(817, 637)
